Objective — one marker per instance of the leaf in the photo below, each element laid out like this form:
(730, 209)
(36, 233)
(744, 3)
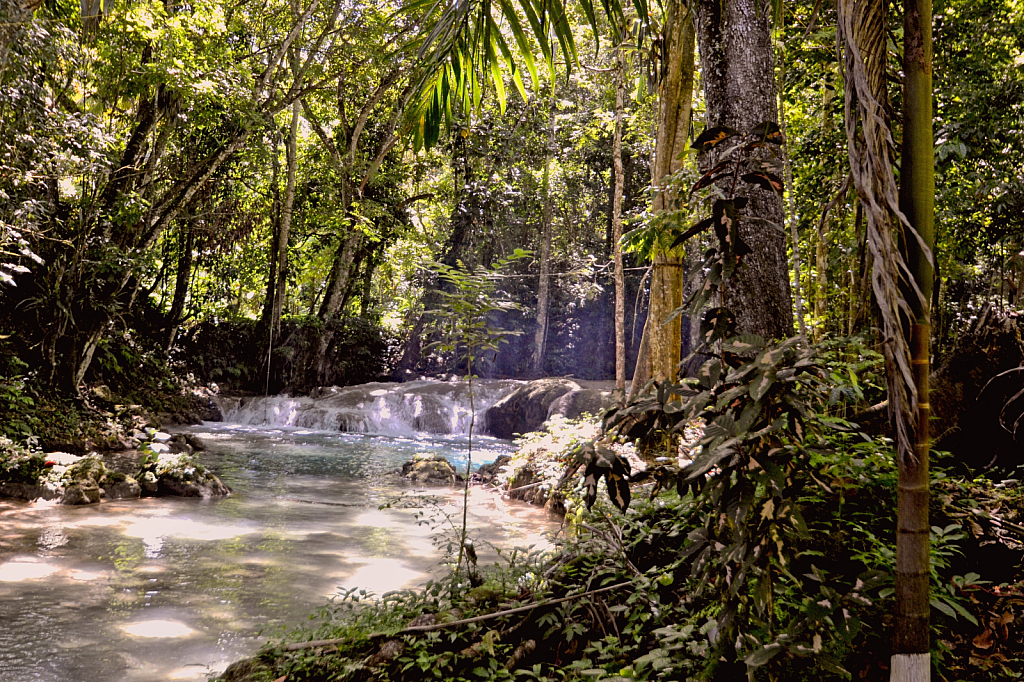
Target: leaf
(982, 641)
(768, 132)
(767, 181)
(712, 137)
(706, 180)
(696, 229)
(763, 655)
(761, 383)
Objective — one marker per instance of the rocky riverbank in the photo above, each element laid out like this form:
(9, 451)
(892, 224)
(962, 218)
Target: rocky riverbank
(162, 464)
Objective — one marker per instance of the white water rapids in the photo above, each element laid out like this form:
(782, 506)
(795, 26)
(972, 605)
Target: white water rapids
(407, 409)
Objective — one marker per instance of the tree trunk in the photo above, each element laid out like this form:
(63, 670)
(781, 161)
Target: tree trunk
(287, 211)
(544, 280)
(794, 234)
(182, 278)
(911, 660)
(620, 285)
(739, 88)
(659, 346)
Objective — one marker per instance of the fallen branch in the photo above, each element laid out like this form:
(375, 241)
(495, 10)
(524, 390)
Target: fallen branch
(417, 629)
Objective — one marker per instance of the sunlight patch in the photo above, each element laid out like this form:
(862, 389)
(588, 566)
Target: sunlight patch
(156, 528)
(24, 569)
(382, 575)
(158, 628)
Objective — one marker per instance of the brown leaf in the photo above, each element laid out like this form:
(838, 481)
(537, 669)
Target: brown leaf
(984, 640)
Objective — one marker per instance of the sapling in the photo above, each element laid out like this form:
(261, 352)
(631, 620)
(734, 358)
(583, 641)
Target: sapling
(468, 299)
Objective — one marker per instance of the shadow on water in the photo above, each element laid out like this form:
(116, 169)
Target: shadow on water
(176, 589)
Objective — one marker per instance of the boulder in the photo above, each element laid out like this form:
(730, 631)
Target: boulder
(121, 487)
(577, 403)
(433, 469)
(527, 408)
(178, 473)
(192, 484)
(86, 492)
(488, 472)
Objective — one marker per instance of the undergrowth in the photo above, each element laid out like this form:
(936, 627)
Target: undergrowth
(767, 556)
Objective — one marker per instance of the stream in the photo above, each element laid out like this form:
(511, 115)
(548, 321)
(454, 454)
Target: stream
(177, 589)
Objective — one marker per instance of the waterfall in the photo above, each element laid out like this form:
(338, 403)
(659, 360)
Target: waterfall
(407, 409)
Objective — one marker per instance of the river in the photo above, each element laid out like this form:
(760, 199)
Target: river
(177, 589)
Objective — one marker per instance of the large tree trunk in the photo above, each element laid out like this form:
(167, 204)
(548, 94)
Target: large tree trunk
(544, 280)
(660, 344)
(620, 283)
(911, 661)
(739, 88)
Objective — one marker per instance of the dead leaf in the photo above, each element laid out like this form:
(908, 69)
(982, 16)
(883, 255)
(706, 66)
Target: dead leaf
(984, 640)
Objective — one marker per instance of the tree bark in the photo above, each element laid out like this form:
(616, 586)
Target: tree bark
(739, 87)
(620, 282)
(544, 278)
(660, 344)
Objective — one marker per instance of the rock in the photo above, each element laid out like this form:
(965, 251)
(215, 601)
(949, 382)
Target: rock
(179, 443)
(86, 492)
(576, 403)
(102, 393)
(181, 475)
(488, 472)
(195, 442)
(204, 485)
(85, 478)
(148, 482)
(122, 487)
(433, 469)
(527, 408)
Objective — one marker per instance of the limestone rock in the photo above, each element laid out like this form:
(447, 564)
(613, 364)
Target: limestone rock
(527, 408)
(121, 487)
(433, 469)
(86, 492)
(488, 472)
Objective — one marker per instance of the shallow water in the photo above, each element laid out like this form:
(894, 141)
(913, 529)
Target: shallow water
(177, 589)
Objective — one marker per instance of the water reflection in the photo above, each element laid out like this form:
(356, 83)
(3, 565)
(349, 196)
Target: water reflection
(172, 588)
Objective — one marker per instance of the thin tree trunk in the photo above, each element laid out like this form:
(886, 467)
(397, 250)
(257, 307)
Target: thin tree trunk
(544, 280)
(287, 211)
(267, 318)
(659, 347)
(911, 661)
(794, 234)
(620, 286)
(821, 258)
(182, 278)
(739, 88)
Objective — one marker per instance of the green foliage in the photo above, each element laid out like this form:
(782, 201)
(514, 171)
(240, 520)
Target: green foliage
(19, 464)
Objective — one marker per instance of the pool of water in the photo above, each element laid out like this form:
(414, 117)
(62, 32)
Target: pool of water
(177, 589)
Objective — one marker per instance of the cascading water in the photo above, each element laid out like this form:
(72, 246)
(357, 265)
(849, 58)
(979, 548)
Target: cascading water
(407, 409)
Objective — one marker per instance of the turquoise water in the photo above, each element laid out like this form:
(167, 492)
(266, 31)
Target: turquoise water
(177, 589)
